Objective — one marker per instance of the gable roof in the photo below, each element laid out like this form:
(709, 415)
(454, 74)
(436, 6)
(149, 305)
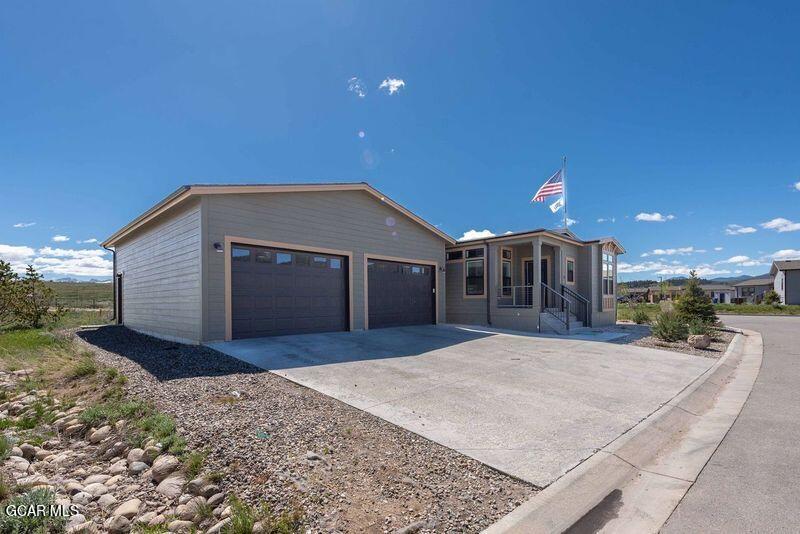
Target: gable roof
(761, 281)
(185, 192)
(560, 233)
(784, 265)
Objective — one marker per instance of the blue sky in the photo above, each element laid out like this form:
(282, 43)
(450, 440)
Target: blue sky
(684, 109)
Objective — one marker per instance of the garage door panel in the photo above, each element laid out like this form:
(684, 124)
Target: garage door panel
(400, 294)
(277, 292)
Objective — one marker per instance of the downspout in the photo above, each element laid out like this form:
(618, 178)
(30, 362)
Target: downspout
(113, 283)
(488, 284)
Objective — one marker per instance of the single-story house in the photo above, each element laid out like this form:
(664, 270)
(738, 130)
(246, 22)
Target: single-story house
(787, 280)
(752, 290)
(221, 262)
(718, 293)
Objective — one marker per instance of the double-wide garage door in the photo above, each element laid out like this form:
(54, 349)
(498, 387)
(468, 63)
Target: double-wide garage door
(276, 292)
(400, 294)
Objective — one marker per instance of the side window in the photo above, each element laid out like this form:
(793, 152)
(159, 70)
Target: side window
(506, 277)
(570, 271)
(473, 271)
(240, 254)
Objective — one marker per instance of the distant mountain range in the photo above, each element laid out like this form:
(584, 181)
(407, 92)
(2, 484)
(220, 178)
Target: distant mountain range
(76, 281)
(681, 280)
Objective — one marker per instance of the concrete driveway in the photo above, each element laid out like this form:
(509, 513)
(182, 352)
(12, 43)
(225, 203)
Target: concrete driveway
(533, 407)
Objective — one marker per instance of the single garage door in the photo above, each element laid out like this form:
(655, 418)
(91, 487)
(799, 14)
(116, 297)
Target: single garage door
(400, 294)
(276, 292)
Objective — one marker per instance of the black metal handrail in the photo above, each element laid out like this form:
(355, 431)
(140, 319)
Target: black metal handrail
(555, 304)
(579, 303)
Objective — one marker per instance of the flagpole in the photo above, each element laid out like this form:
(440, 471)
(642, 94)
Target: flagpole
(564, 183)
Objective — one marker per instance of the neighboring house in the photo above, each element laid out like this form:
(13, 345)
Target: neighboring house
(214, 262)
(787, 280)
(752, 290)
(718, 293)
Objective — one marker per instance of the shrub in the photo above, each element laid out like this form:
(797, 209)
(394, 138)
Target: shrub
(5, 447)
(699, 328)
(8, 293)
(244, 516)
(193, 463)
(640, 315)
(772, 298)
(34, 300)
(31, 524)
(85, 367)
(669, 326)
(694, 304)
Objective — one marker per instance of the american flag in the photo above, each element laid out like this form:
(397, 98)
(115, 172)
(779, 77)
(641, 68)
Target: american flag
(553, 186)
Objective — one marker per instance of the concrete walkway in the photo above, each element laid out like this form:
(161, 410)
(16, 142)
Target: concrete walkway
(533, 407)
(752, 482)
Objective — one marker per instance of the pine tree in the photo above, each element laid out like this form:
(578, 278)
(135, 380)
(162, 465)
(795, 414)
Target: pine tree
(694, 304)
(9, 290)
(35, 300)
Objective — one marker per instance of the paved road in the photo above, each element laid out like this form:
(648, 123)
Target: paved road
(752, 482)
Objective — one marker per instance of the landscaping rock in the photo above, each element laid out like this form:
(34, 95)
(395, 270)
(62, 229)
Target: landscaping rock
(106, 501)
(28, 451)
(113, 481)
(75, 520)
(117, 524)
(95, 490)
(137, 467)
(136, 455)
(195, 485)
(216, 529)
(119, 467)
(145, 518)
(82, 498)
(151, 453)
(16, 451)
(208, 490)
(41, 454)
(171, 486)
(216, 499)
(180, 526)
(129, 508)
(163, 466)
(33, 481)
(700, 341)
(94, 479)
(71, 488)
(100, 434)
(160, 519)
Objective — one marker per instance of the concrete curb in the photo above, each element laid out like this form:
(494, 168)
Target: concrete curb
(635, 482)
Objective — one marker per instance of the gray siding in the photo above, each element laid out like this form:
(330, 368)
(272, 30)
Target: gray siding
(792, 287)
(342, 220)
(462, 310)
(161, 269)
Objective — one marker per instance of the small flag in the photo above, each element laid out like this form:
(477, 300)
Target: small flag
(558, 204)
(553, 186)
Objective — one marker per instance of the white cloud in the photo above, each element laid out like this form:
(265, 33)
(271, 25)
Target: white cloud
(607, 219)
(58, 261)
(682, 251)
(60, 238)
(785, 254)
(717, 248)
(476, 234)
(797, 186)
(87, 241)
(392, 85)
(570, 222)
(356, 86)
(24, 224)
(669, 269)
(735, 259)
(781, 225)
(653, 217)
(735, 229)
(743, 261)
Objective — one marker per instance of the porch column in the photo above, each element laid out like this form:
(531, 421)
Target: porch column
(492, 273)
(558, 265)
(536, 244)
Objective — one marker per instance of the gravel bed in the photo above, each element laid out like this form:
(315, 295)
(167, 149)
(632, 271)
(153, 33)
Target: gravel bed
(639, 335)
(295, 448)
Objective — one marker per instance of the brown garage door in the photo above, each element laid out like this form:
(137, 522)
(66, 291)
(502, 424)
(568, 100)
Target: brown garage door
(400, 294)
(276, 292)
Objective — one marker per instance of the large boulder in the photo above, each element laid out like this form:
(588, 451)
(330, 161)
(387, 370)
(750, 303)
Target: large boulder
(100, 434)
(128, 509)
(117, 524)
(172, 486)
(700, 341)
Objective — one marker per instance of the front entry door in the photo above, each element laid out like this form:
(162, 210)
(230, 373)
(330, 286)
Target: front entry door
(529, 278)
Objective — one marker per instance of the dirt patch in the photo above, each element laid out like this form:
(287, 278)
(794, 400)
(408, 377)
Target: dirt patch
(295, 448)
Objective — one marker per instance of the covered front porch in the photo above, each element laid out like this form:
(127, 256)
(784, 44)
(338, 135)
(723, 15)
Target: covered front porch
(540, 283)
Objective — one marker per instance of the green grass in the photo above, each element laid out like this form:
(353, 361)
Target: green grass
(31, 524)
(244, 516)
(626, 313)
(756, 309)
(76, 318)
(193, 463)
(5, 447)
(82, 295)
(85, 367)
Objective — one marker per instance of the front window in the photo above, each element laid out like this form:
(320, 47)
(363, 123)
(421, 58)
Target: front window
(455, 255)
(506, 274)
(475, 253)
(570, 271)
(474, 277)
(608, 273)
